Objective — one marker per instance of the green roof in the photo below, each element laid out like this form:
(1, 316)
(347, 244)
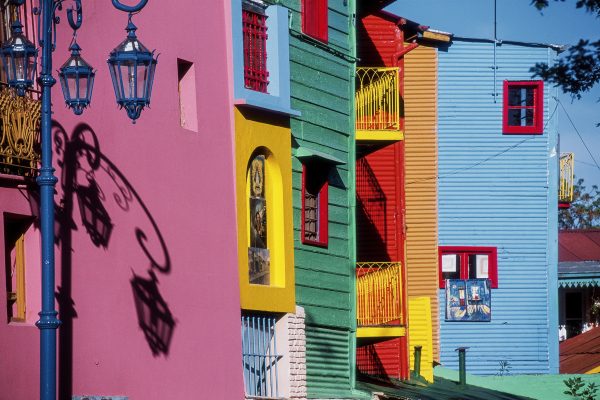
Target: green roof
(505, 387)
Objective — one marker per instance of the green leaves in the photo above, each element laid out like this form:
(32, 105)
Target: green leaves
(584, 212)
(577, 72)
(575, 386)
(591, 6)
(579, 69)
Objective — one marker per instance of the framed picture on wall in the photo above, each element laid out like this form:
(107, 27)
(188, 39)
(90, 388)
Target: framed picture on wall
(468, 300)
(259, 266)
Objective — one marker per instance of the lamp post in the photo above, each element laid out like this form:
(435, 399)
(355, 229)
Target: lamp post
(132, 71)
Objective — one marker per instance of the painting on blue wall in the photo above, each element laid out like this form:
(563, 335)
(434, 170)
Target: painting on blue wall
(468, 300)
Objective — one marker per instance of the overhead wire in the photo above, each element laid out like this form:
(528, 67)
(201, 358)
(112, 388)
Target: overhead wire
(503, 151)
(578, 134)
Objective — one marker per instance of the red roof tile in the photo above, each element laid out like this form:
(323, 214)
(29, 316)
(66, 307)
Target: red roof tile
(581, 353)
(579, 245)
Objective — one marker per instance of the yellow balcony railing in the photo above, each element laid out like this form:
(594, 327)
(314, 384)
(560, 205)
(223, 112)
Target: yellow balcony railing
(19, 134)
(379, 293)
(565, 189)
(377, 103)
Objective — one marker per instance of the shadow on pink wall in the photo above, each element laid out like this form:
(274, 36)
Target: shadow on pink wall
(81, 163)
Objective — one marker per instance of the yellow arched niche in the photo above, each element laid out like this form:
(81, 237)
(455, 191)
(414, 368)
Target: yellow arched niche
(262, 134)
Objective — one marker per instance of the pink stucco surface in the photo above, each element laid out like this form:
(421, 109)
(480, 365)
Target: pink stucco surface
(168, 194)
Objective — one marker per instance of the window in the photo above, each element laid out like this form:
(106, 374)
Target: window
(523, 107)
(14, 235)
(314, 205)
(314, 19)
(188, 113)
(261, 55)
(254, 21)
(259, 257)
(259, 356)
(468, 263)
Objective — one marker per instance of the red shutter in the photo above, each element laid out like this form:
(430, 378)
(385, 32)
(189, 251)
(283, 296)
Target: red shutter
(314, 19)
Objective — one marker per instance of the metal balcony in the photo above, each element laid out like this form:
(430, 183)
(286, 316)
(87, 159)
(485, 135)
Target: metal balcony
(379, 299)
(19, 134)
(565, 187)
(378, 103)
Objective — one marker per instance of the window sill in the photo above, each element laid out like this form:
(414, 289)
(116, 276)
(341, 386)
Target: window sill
(267, 107)
(533, 132)
(314, 243)
(20, 323)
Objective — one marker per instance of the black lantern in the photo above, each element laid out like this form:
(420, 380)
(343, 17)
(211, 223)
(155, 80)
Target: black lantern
(132, 67)
(77, 80)
(19, 59)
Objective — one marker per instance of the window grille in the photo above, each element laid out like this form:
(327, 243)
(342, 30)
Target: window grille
(315, 199)
(260, 357)
(311, 212)
(254, 23)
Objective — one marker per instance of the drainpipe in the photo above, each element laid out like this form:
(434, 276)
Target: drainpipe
(462, 365)
(496, 43)
(418, 361)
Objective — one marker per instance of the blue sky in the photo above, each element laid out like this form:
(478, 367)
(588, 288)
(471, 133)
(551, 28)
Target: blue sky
(561, 23)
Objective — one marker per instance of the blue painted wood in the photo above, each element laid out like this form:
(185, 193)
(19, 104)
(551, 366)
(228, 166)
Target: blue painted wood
(499, 190)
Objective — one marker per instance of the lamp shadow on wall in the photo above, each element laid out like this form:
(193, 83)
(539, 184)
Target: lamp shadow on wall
(371, 214)
(84, 170)
(154, 316)
(369, 365)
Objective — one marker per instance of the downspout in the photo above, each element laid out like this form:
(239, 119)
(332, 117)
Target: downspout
(496, 43)
(352, 10)
(401, 231)
(403, 51)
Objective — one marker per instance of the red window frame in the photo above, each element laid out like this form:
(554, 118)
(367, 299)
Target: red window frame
(537, 107)
(254, 32)
(464, 252)
(315, 20)
(315, 180)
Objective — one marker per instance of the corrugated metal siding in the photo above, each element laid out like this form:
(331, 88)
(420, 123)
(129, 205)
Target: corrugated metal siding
(420, 92)
(327, 371)
(379, 38)
(322, 84)
(420, 334)
(494, 191)
(378, 205)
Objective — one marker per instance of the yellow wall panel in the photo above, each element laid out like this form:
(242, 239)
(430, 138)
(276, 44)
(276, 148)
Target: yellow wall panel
(420, 334)
(420, 102)
(257, 132)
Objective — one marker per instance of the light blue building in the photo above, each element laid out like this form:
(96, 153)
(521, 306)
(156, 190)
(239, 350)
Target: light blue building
(498, 203)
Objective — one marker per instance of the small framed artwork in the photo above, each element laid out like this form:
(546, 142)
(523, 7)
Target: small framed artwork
(259, 266)
(468, 300)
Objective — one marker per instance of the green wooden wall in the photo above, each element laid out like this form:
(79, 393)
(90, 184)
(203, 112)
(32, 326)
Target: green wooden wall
(322, 89)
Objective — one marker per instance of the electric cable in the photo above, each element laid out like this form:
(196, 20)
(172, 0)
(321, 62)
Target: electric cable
(506, 150)
(578, 134)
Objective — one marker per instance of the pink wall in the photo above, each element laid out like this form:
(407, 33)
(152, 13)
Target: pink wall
(155, 177)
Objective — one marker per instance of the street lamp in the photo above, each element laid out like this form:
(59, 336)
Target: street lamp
(77, 80)
(135, 66)
(131, 67)
(19, 58)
